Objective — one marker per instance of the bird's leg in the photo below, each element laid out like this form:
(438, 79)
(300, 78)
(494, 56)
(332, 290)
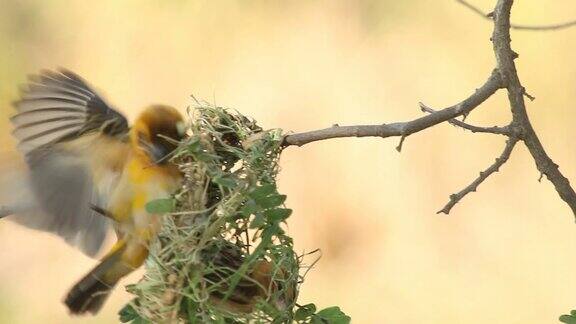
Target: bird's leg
(102, 211)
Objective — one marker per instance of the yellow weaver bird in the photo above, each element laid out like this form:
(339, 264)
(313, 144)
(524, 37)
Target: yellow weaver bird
(88, 169)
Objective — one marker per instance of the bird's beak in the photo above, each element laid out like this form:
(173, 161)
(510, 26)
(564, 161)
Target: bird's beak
(160, 153)
(157, 151)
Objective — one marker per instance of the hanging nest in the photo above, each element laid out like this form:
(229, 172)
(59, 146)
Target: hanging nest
(222, 254)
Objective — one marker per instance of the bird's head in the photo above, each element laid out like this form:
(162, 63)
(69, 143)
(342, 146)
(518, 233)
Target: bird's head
(157, 131)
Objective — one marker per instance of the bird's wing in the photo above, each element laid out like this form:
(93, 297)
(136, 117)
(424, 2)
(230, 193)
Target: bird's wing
(75, 145)
(59, 106)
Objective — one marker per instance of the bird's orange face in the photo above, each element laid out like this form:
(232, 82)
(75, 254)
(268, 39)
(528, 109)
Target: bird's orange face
(157, 132)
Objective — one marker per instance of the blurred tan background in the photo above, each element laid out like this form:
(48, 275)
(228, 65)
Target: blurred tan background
(506, 254)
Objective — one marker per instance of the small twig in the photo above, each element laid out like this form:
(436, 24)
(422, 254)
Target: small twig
(400, 128)
(529, 96)
(475, 9)
(399, 147)
(247, 237)
(101, 211)
(310, 267)
(489, 16)
(474, 129)
(545, 27)
(472, 187)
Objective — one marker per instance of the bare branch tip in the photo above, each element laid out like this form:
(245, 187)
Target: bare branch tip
(492, 16)
(423, 107)
(483, 175)
(527, 95)
(399, 147)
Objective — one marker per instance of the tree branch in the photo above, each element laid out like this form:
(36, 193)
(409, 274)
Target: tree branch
(400, 128)
(520, 129)
(474, 129)
(455, 198)
(521, 123)
(519, 27)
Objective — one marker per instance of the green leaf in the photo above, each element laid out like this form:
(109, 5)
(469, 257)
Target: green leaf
(195, 146)
(568, 319)
(140, 320)
(304, 312)
(128, 313)
(203, 157)
(263, 191)
(249, 208)
(161, 206)
(273, 229)
(277, 215)
(191, 310)
(271, 201)
(332, 315)
(258, 221)
(225, 182)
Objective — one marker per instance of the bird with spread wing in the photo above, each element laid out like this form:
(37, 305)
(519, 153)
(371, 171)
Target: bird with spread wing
(87, 170)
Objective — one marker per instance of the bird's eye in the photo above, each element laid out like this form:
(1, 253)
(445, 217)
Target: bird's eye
(181, 128)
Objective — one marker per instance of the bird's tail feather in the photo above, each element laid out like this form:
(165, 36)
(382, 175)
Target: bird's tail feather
(90, 293)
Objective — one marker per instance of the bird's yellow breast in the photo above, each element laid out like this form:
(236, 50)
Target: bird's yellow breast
(141, 183)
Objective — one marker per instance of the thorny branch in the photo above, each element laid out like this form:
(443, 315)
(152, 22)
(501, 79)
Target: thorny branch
(504, 76)
(505, 60)
(474, 129)
(402, 129)
(455, 198)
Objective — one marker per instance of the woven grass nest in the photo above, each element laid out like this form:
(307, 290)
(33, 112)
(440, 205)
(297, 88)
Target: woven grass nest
(222, 255)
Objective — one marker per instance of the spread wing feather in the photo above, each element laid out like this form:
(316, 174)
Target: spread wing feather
(56, 111)
(59, 106)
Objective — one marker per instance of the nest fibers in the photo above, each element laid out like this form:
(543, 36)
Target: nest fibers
(221, 255)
